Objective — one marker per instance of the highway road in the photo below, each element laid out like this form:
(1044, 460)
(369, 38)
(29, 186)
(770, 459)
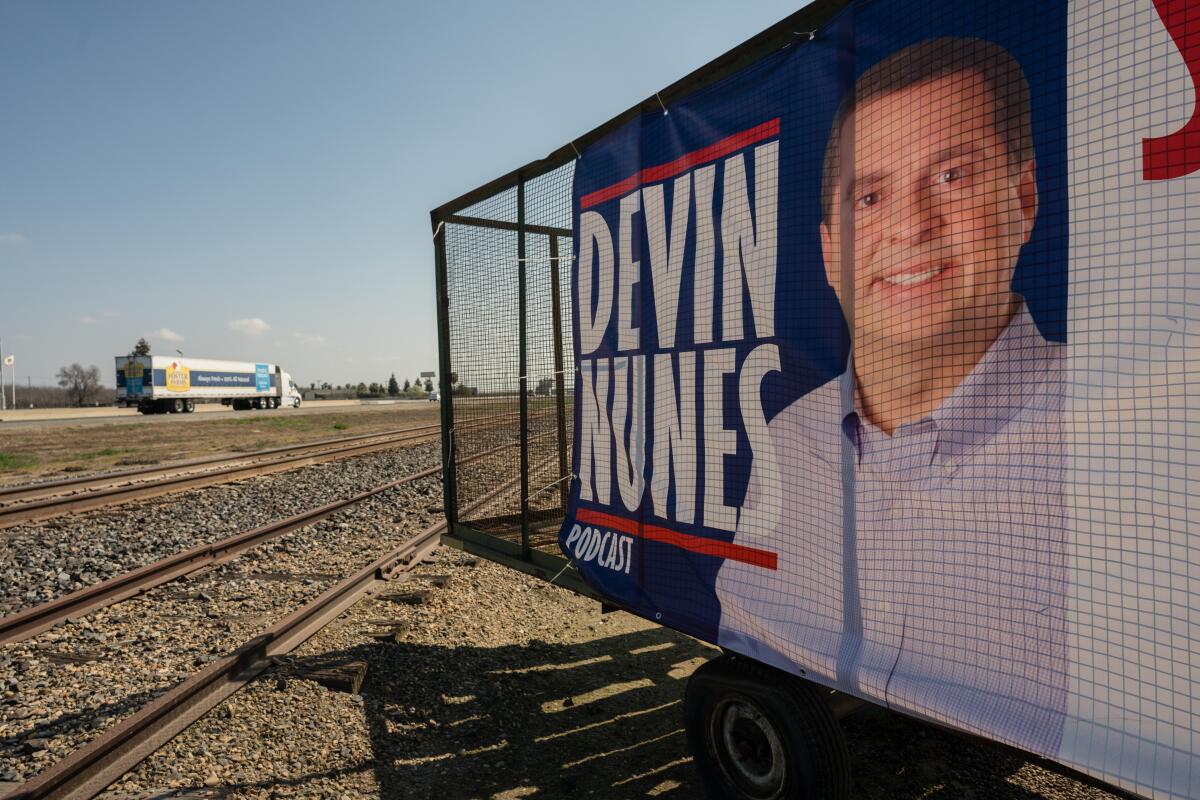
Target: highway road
(107, 415)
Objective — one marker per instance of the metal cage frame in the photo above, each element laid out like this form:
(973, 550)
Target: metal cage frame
(796, 28)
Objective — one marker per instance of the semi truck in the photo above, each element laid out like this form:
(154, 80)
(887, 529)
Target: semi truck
(165, 384)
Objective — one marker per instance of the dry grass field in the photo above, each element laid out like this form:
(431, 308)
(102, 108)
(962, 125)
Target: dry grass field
(34, 452)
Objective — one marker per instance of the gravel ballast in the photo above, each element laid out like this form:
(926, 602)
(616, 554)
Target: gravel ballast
(60, 687)
(500, 686)
(41, 561)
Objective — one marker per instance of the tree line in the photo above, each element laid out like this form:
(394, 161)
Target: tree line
(415, 388)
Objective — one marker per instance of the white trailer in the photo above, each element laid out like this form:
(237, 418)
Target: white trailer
(165, 384)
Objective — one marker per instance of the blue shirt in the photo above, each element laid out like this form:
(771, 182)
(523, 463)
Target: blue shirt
(925, 570)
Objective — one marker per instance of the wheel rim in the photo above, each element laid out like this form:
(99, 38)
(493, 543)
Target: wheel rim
(748, 748)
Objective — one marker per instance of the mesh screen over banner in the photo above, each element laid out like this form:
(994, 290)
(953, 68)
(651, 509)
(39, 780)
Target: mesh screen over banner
(877, 362)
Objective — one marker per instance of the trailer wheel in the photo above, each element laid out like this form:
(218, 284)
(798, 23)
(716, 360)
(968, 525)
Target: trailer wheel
(759, 734)
(177, 406)
(189, 406)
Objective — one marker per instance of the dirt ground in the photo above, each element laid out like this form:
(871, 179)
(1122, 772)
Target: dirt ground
(499, 686)
(29, 453)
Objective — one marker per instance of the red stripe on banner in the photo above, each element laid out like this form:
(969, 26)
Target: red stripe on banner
(684, 541)
(682, 164)
(1178, 154)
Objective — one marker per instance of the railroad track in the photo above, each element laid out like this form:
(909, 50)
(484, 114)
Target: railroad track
(42, 501)
(88, 770)
(32, 621)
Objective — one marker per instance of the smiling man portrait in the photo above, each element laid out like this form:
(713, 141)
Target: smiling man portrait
(917, 505)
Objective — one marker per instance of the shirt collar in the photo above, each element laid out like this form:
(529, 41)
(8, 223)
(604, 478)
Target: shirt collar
(1015, 368)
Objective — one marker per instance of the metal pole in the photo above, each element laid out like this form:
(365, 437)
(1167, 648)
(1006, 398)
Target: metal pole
(2, 401)
(560, 382)
(524, 365)
(445, 366)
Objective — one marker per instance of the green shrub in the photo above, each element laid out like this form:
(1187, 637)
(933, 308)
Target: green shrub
(10, 462)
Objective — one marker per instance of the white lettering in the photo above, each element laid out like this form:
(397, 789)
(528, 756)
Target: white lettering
(760, 513)
(666, 264)
(605, 550)
(718, 440)
(628, 335)
(574, 534)
(704, 283)
(749, 243)
(631, 458)
(593, 545)
(596, 436)
(595, 241)
(674, 436)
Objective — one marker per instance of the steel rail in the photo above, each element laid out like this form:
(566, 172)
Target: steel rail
(31, 621)
(45, 489)
(25, 491)
(92, 768)
(51, 507)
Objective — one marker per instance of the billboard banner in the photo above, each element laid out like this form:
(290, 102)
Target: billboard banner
(884, 355)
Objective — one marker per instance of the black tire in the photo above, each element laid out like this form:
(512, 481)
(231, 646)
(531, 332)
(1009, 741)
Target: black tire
(759, 734)
(189, 406)
(177, 406)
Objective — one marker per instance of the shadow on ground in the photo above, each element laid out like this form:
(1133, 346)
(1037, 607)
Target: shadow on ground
(604, 719)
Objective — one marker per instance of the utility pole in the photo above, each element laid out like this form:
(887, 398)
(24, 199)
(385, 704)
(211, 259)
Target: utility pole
(10, 360)
(2, 403)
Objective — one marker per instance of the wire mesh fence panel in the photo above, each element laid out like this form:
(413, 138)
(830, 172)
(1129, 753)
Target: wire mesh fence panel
(548, 309)
(868, 352)
(485, 275)
(483, 315)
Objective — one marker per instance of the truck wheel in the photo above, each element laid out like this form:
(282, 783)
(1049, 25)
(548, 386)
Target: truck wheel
(177, 406)
(189, 406)
(759, 734)
(264, 403)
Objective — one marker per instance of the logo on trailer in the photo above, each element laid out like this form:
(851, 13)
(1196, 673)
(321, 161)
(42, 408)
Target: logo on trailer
(262, 378)
(134, 369)
(179, 377)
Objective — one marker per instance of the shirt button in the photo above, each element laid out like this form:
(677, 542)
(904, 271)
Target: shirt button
(949, 467)
(896, 513)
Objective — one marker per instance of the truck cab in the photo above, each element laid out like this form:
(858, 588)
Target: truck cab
(289, 392)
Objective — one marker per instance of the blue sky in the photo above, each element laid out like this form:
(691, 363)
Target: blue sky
(253, 180)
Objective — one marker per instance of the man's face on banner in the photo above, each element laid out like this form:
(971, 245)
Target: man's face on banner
(940, 214)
